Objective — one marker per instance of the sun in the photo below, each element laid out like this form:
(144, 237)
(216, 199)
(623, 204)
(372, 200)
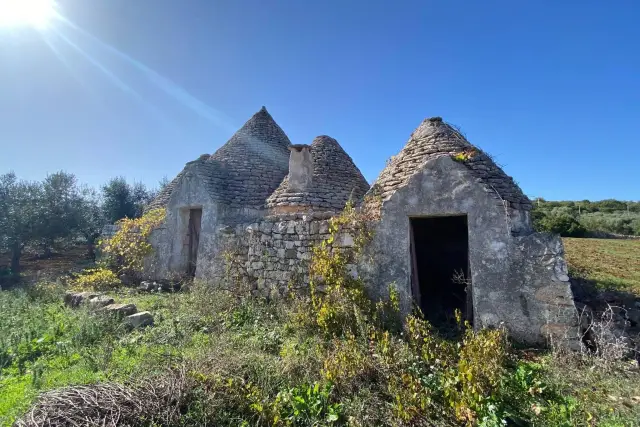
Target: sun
(26, 13)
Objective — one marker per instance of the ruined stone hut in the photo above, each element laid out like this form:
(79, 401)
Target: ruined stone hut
(453, 230)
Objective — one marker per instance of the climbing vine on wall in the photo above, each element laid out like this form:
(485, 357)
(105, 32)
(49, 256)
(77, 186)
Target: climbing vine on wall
(126, 250)
(338, 295)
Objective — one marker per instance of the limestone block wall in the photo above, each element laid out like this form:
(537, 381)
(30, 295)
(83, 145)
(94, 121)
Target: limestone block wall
(279, 251)
(272, 255)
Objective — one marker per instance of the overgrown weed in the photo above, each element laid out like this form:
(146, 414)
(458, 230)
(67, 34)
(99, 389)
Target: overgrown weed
(251, 363)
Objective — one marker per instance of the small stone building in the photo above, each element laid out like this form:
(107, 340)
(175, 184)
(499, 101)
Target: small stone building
(453, 230)
(217, 190)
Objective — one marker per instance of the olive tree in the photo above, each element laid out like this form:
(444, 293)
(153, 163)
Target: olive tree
(90, 219)
(123, 200)
(60, 210)
(20, 210)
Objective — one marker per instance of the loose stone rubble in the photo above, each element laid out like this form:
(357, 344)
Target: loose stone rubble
(100, 303)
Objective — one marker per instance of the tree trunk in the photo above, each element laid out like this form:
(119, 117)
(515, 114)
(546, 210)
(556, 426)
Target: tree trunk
(91, 245)
(91, 250)
(16, 254)
(47, 249)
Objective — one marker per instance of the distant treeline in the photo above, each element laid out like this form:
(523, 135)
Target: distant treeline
(41, 216)
(583, 218)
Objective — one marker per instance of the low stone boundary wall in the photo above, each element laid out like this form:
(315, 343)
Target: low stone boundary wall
(607, 235)
(273, 255)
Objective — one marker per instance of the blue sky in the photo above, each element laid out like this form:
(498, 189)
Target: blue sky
(138, 88)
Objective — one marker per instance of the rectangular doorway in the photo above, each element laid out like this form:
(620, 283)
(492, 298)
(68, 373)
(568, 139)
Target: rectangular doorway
(195, 219)
(441, 280)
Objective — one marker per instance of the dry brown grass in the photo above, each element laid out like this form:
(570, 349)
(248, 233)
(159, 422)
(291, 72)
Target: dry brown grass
(611, 263)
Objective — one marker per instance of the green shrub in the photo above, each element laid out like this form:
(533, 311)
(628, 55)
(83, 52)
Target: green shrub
(307, 405)
(618, 223)
(610, 216)
(126, 250)
(96, 279)
(562, 224)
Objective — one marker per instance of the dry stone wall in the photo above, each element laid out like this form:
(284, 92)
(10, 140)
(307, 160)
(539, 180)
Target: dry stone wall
(272, 256)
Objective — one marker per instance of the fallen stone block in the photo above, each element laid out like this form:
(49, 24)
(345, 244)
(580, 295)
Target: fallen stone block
(139, 320)
(100, 302)
(147, 286)
(74, 299)
(121, 310)
(165, 287)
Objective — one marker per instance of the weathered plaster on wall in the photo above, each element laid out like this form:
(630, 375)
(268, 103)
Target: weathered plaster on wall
(504, 268)
(170, 241)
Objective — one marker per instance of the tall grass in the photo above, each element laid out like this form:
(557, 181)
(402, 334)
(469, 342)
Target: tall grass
(248, 361)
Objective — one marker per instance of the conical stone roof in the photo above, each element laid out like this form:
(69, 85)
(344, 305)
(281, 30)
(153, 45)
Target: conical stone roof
(435, 138)
(164, 195)
(335, 180)
(245, 170)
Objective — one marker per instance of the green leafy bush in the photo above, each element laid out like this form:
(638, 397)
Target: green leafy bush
(307, 405)
(97, 279)
(126, 250)
(562, 224)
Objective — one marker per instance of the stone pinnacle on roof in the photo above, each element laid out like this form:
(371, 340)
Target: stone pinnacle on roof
(435, 138)
(335, 180)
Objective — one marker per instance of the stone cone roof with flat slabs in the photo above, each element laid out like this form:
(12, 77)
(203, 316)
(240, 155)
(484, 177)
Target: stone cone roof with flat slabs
(245, 170)
(435, 138)
(164, 195)
(336, 179)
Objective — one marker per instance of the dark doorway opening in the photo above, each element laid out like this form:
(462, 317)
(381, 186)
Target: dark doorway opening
(195, 219)
(440, 268)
